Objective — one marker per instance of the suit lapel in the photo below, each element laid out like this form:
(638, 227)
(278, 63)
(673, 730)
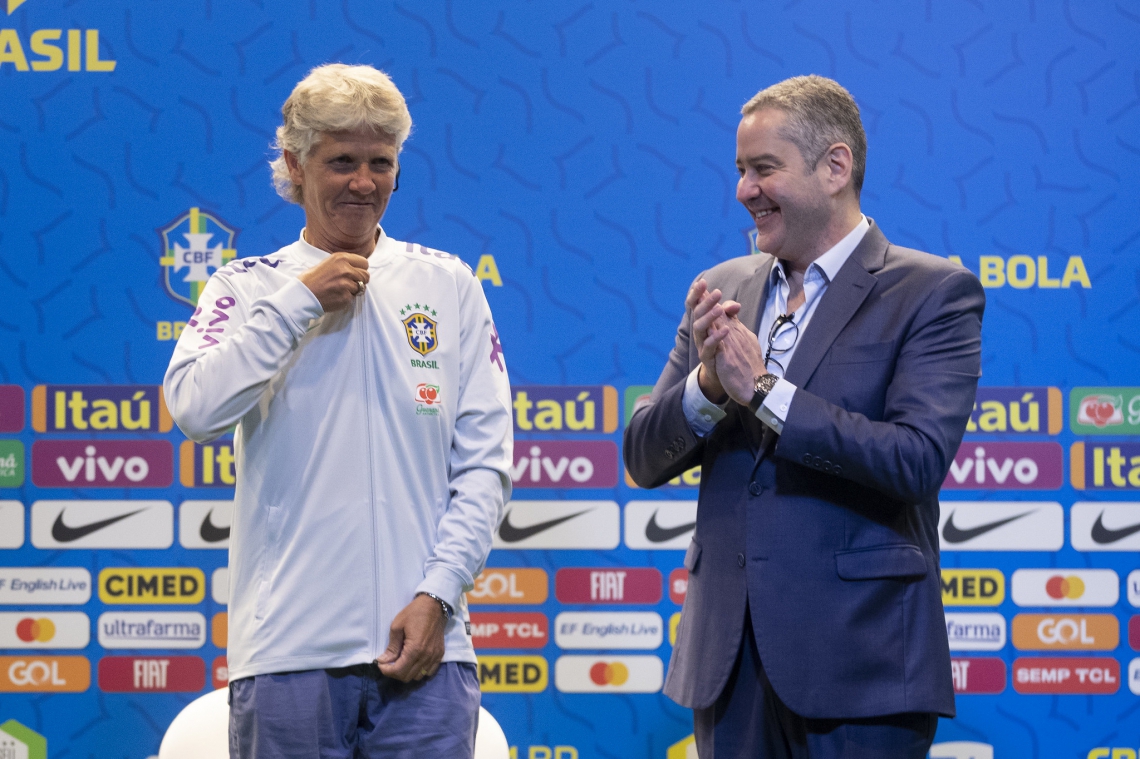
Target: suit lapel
(844, 295)
(753, 294)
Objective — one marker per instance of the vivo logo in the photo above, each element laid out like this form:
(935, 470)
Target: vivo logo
(1010, 466)
(566, 464)
(102, 463)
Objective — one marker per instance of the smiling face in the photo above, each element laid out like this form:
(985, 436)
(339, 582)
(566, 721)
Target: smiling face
(791, 204)
(346, 182)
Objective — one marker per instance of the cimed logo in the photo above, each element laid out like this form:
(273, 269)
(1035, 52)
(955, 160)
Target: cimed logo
(197, 243)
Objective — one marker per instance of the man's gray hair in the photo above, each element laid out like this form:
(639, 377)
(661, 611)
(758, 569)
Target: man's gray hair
(820, 113)
(336, 98)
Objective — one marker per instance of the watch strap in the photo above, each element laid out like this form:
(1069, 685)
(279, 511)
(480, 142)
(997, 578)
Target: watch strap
(764, 385)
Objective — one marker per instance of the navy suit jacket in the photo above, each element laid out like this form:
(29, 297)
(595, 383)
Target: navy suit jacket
(827, 533)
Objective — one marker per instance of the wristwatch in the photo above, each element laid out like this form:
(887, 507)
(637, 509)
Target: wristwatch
(448, 612)
(764, 385)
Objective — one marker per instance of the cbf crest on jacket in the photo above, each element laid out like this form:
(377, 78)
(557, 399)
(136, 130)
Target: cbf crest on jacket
(373, 448)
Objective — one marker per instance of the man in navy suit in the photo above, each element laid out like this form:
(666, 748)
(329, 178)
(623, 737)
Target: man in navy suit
(824, 387)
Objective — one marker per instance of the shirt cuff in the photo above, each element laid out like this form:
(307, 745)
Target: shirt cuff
(774, 410)
(701, 413)
(444, 583)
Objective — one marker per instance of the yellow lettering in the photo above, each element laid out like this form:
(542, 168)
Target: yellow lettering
(1034, 422)
(178, 327)
(549, 416)
(1098, 467)
(104, 415)
(539, 752)
(93, 61)
(226, 465)
(11, 51)
(487, 269)
(1043, 279)
(60, 409)
(587, 422)
(1016, 280)
(1134, 472)
(1115, 462)
(53, 53)
(74, 45)
(990, 271)
(522, 411)
(143, 422)
(164, 331)
(207, 465)
(692, 477)
(77, 405)
(993, 417)
(1075, 272)
(1098, 753)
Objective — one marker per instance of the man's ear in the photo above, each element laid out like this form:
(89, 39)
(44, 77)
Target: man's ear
(296, 171)
(839, 162)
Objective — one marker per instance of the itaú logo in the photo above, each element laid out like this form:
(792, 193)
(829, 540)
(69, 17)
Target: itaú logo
(35, 630)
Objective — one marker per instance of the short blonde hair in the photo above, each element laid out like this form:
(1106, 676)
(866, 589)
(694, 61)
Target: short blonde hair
(820, 113)
(335, 98)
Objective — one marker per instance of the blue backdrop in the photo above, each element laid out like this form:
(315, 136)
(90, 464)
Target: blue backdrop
(580, 156)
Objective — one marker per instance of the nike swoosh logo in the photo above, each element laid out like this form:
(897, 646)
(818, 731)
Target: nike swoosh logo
(655, 533)
(953, 534)
(511, 534)
(210, 532)
(63, 533)
(1103, 535)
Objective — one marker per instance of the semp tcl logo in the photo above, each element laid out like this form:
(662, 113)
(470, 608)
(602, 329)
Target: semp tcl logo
(102, 463)
(60, 674)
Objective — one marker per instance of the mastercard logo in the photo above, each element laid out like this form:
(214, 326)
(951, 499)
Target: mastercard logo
(1065, 587)
(609, 673)
(35, 630)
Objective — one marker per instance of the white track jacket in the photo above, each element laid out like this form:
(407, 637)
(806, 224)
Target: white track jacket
(373, 448)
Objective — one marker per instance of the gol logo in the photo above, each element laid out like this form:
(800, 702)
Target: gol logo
(35, 630)
(56, 673)
(1071, 587)
(609, 673)
(427, 394)
(1079, 631)
(509, 586)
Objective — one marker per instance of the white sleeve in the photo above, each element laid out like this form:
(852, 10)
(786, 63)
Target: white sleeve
(482, 452)
(701, 413)
(230, 350)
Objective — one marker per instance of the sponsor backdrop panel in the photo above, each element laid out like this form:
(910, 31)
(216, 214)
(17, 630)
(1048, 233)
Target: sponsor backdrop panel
(590, 147)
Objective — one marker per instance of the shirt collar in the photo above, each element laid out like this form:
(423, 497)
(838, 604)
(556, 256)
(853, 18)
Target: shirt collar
(315, 253)
(832, 261)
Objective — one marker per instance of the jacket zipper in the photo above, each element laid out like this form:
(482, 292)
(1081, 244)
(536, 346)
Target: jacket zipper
(365, 355)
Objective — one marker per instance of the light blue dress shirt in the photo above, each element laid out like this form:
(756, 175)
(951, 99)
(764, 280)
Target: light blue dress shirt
(701, 413)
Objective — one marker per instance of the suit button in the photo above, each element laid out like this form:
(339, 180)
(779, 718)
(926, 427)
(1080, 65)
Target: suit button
(740, 559)
(837, 470)
(807, 459)
(754, 488)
